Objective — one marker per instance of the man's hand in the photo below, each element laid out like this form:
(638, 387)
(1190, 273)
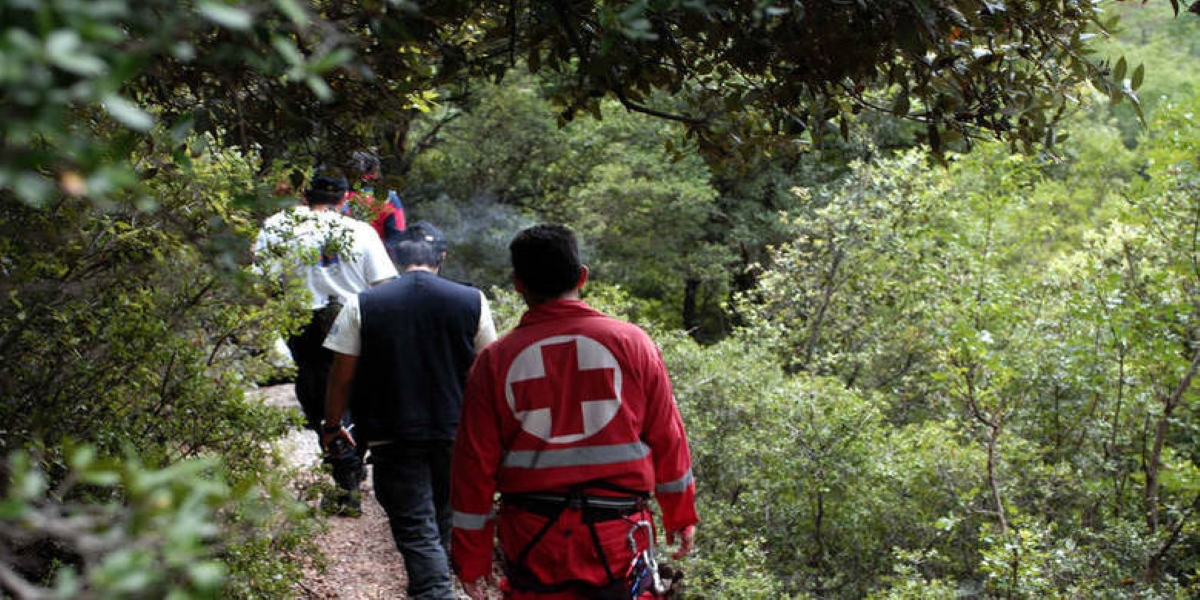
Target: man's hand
(328, 435)
(687, 540)
(474, 589)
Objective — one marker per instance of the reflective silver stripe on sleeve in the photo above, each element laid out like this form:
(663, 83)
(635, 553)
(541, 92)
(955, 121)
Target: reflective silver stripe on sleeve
(472, 521)
(576, 457)
(679, 485)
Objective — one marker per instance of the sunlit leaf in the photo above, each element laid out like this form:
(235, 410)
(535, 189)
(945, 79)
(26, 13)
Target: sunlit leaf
(225, 15)
(319, 87)
(331, 61)
(64, 49)
(293, 11)
(127, 113)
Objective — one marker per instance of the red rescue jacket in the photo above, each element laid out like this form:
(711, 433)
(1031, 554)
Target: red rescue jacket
(570, 396)
(386, 216)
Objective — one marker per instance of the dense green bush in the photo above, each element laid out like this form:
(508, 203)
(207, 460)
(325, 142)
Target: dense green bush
(116, 528)
(1050, 337)
(135, 327)
(830, 490)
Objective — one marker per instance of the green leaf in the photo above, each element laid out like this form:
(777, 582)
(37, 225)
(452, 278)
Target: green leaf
(293, 11)
(66, 583)
(182, 128)
(330, 61)
(127, 113)
(1139, 74)
(288, 50)
(27, 481)
(63, 50)
(319, 87)
(207, 575)
(1137, 105)
(82, 457)
(230, 17)
(183, 51)
(1119, 70)
(33, 188)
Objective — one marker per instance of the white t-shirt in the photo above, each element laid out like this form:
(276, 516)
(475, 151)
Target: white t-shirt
(345, 337)
(337, 255)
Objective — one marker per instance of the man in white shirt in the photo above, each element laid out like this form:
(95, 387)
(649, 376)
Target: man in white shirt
(337, 257)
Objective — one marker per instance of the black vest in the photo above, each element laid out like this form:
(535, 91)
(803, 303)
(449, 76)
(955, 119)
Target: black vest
(418, 342)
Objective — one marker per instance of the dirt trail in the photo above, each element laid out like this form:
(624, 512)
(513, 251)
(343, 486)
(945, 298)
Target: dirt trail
(362, 560)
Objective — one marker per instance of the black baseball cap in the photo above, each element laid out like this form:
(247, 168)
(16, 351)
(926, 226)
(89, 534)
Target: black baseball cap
(426, 232)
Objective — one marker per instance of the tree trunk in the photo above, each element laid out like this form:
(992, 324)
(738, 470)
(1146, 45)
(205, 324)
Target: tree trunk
(1154, 461)
(691, 320)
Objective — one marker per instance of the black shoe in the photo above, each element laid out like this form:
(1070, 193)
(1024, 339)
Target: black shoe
(342, 504)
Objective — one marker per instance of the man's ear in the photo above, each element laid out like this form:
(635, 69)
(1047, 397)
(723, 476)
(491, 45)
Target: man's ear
(518, 284)
(583, 275)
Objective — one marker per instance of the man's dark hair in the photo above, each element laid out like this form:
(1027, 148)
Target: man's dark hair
(546, 260)
(407, 252)
(326, 190)
(363, 163)
(420, 244)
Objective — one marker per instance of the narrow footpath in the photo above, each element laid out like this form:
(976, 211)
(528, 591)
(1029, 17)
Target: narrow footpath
(362, 560)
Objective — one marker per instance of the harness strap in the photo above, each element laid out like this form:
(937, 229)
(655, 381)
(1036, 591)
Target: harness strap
(537, 537)
(551, 506)
(600, 552)
(612, 487)
(605, 502)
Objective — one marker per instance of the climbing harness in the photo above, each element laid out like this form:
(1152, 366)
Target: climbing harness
(593, 509)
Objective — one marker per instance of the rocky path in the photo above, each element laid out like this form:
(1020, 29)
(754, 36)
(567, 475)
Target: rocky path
(362, 562)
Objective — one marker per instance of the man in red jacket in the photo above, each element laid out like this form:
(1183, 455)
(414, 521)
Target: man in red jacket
(386, 215)
(571, 418)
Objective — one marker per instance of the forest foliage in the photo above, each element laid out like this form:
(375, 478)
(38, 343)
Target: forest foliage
(905, 374)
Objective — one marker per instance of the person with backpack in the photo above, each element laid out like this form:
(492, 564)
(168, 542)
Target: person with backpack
(386, 215)
(337, 257)
(571, 418)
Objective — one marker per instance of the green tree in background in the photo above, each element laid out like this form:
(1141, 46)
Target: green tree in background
(648, 217)
(1046, 311)
(1166, 46)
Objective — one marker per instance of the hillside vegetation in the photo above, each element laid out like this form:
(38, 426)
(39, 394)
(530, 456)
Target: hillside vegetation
(920, 353)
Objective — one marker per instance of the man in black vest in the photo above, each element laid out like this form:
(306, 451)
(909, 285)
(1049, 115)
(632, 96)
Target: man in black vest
(401, 355)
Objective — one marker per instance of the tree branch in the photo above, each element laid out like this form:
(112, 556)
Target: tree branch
(1155, 564)
(1153, 462)
(632, 106)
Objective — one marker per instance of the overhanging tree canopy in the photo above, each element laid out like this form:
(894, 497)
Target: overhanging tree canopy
(745, 75)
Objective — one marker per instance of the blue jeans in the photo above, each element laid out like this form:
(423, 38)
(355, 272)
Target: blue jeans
(412, 483)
